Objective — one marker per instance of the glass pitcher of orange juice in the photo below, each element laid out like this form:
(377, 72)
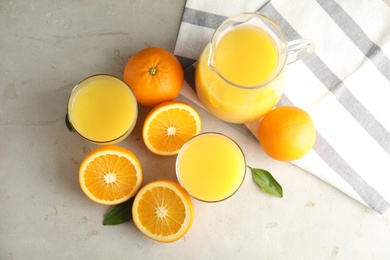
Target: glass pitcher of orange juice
(239, 75)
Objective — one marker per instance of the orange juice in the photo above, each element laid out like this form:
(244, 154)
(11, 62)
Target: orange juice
(102, 109)
(210, 167)
(246, 57)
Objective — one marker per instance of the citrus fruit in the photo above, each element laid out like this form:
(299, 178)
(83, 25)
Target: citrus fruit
(110, 175)
(168, 126)
(163, 211)
(287, 133)
(155, 75)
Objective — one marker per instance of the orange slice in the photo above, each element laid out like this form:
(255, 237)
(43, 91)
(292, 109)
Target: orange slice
(168, 126)
(163, 211)
(110, 175)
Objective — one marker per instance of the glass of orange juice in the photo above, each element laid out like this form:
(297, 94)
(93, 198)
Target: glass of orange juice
(210, 167)
(239, 75)
(102, 109)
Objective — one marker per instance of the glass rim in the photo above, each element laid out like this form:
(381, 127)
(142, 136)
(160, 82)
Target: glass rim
(210, 133)
(129, 129)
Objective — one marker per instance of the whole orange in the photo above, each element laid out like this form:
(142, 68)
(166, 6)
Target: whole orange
(155, 75)
(287, 133)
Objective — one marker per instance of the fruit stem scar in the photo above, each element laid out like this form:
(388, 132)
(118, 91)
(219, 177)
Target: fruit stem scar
(152, 70)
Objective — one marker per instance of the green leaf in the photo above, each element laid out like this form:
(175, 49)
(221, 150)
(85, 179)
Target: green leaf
(267, 182)
(119, 214)
(68, 124)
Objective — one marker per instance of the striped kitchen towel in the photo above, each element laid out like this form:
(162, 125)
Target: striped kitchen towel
(344, 85)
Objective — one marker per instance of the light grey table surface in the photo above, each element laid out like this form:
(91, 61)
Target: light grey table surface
(46, 47)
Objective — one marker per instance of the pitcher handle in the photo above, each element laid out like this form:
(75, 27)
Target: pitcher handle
(298, 49)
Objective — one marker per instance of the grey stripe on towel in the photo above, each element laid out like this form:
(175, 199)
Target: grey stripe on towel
(354, 107)
(335, 85)
(357, 35)
(341, 167)
(203, 19)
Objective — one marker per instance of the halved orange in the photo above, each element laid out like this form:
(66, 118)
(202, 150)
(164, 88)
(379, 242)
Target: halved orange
(110, 175)
(163, 211)
(168, 126)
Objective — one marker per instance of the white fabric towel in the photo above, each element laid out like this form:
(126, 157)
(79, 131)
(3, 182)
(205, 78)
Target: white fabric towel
(344, 85)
